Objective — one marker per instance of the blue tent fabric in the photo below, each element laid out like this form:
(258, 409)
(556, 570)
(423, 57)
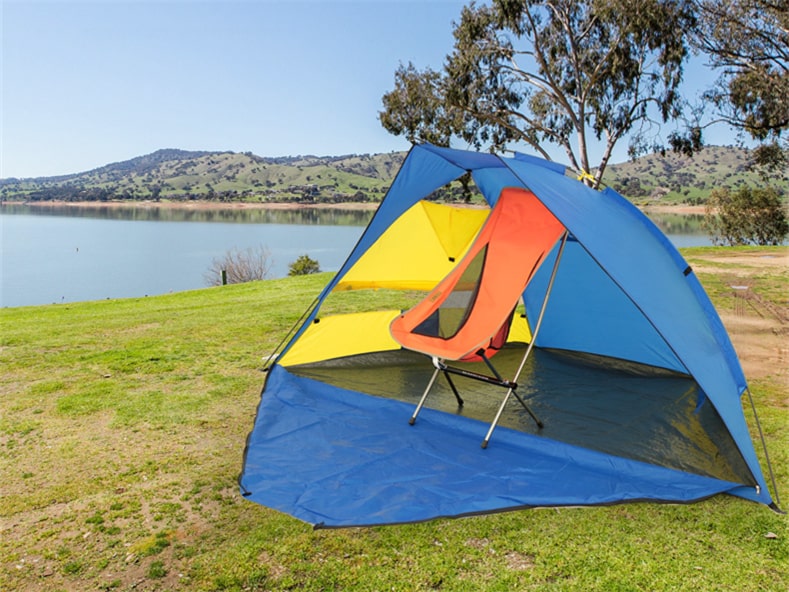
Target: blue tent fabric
(360, 463)
(652, 273)
(338, 457)
(604, 321)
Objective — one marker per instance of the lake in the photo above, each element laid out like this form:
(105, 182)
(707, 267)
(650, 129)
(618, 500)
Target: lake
(57, 254)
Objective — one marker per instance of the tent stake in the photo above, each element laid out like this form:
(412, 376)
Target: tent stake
(531, 344)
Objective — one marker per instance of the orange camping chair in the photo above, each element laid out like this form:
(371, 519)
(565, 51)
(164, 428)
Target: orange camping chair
(467, 316)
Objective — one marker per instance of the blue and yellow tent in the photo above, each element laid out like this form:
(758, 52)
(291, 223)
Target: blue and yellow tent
(632, 372)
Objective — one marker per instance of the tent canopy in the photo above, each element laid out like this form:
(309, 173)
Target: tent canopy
(635, 376)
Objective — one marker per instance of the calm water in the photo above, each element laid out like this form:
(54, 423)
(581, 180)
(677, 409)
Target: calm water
(66, 254)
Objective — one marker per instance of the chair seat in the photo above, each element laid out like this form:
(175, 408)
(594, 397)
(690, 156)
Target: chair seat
(470, 309)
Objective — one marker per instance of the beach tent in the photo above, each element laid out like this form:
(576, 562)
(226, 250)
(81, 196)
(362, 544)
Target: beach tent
(631, 372)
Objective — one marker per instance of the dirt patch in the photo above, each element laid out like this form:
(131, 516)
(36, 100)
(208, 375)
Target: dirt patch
(756, 314)
(519, 561)
(748, 263)
(761, 344)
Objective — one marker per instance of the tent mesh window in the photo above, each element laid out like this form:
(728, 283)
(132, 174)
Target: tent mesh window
(451, 315)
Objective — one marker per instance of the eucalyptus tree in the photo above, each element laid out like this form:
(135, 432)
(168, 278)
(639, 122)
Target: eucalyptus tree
(747, 41)
(580, 75)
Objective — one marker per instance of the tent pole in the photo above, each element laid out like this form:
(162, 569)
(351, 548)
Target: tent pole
(764, 447)
(273, 355)
(531, 343)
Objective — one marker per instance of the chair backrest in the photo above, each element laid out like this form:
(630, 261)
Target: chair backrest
(470, 309)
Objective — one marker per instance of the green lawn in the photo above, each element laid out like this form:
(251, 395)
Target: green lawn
(122, 428)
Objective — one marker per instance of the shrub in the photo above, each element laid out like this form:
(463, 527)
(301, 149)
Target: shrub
(304, 265)
(746, 216)
(240, 266)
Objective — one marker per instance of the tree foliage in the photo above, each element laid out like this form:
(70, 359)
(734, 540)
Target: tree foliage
(416, 107)
(304, 265)
(746, 216)
(560, 73)
(748, 42)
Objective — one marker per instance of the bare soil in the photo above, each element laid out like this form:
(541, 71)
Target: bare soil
(757, 317)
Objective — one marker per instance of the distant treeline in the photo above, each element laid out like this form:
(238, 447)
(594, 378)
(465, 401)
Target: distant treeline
(300, 195)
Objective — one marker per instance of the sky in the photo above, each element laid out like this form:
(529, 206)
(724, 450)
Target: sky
(87, 83)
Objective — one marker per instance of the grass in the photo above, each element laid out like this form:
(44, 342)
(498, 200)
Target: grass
(123, 423)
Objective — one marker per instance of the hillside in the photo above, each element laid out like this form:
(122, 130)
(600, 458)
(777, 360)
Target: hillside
(677, 178)
(179, 175)
(224, 176)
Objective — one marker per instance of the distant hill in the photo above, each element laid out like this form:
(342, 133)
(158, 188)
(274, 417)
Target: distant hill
(180, 175)
(681, 179)
(222, 176)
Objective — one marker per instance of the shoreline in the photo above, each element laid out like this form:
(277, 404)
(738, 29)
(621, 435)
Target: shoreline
(201, 205)
(196, 205)
(673, 209)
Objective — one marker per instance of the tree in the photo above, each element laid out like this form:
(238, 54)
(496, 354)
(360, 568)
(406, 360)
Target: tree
(416, 107)
(746, 216)
(304, 265)
(239, 266)
(748, 42)
(551, 72)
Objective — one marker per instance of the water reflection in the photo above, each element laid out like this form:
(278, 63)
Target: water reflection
(678, 223)
(669, 223)
(229, 215)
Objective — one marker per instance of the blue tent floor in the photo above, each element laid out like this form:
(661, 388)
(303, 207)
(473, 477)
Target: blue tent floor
(334, 457)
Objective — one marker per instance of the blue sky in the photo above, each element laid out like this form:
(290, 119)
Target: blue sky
(89, 83)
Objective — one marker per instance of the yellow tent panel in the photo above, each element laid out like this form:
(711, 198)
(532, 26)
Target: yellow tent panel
(418, 250)
(519, 329)
(343, 335)
(360, 333)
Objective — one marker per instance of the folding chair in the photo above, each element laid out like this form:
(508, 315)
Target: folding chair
(467, 316)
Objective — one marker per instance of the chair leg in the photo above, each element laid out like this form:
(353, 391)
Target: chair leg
(454, 389)
(496, 419)
(527, 408)
(424, 396)
(490, 366)
(510, 391)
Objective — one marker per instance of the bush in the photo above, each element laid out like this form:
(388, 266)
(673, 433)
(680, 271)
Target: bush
(747, 216)
(240, 266)
(304, 265)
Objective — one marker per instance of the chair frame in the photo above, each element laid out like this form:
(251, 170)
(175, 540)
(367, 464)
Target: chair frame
(511, 385)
